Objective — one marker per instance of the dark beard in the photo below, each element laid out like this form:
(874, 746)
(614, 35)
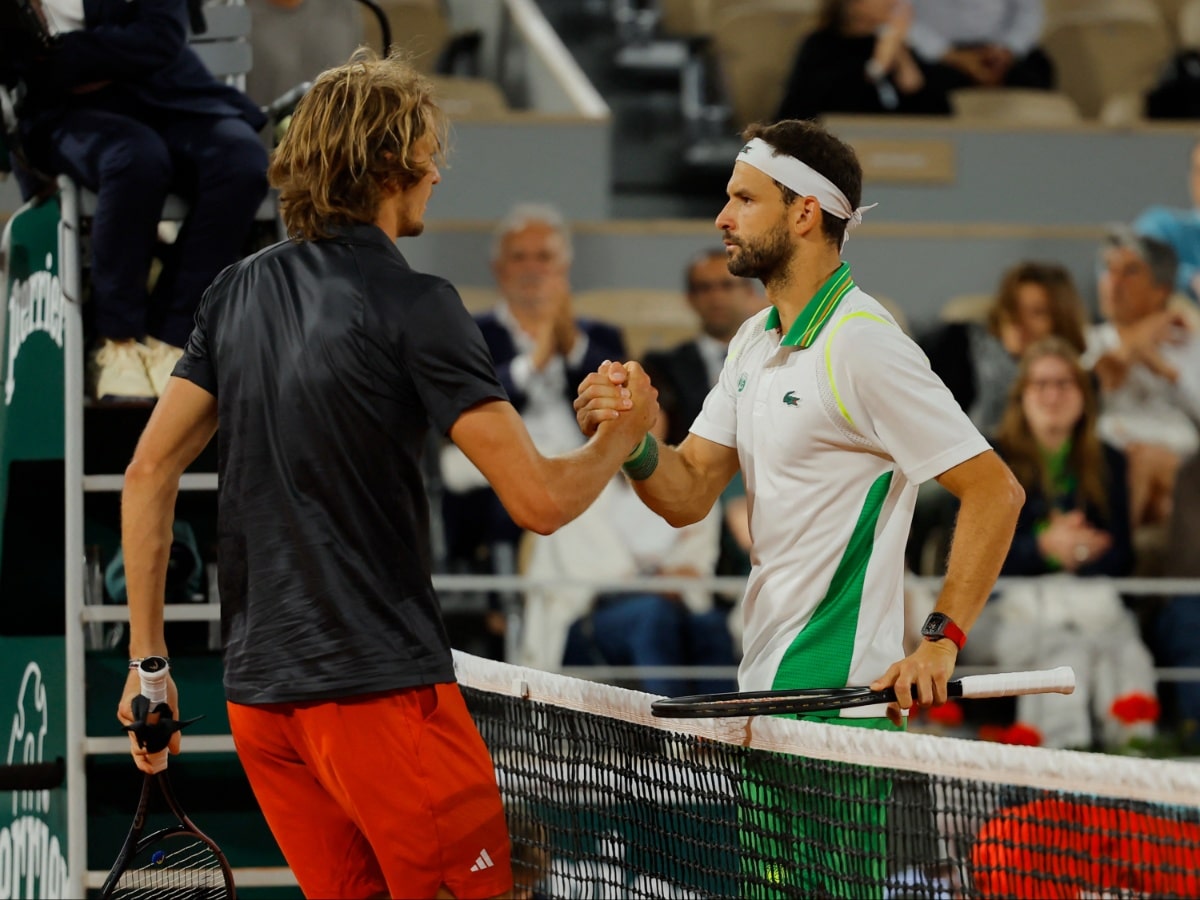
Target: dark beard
(767, 260)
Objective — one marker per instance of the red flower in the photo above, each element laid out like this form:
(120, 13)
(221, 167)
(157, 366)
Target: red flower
(949, 714)
(1020, 733)
(1130, 709)
(1017, 733)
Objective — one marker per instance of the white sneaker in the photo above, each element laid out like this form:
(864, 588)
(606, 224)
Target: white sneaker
(160, 358)
(118, 372)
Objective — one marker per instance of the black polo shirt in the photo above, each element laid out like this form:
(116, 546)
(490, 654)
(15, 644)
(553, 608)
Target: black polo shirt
(330, 360)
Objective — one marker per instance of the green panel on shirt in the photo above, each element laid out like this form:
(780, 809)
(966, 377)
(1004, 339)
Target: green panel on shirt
(821, 654)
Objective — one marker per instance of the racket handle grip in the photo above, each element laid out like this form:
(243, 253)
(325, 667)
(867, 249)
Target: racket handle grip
(152, 678)
(1060, 680)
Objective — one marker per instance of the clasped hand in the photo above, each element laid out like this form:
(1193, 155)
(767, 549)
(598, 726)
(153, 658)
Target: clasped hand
(613, 389)
(1072, 541)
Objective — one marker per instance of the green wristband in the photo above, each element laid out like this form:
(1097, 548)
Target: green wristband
(641, 464)
(636, 451)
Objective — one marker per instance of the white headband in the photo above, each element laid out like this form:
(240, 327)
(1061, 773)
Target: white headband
(803, 179)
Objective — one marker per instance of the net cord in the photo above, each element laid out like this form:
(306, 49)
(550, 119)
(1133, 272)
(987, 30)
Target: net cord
(1158, 781)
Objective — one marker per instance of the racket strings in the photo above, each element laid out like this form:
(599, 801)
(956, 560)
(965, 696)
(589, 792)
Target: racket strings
(180, 866)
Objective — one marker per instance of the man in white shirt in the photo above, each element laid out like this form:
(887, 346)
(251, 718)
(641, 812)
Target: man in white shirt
(982, 43)
(834, 418)
(1148, 364)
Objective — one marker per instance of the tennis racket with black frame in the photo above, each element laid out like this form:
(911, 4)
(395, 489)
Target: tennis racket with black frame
(1060, 680)
(178, 861)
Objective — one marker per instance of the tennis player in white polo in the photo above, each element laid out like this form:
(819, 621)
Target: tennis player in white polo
(834, 417)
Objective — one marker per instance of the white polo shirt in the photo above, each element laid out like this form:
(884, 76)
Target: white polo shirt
(836, 423)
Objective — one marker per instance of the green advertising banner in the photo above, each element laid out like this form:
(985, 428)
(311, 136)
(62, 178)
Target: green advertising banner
(33, 824)
(34, 327)
(32, 330)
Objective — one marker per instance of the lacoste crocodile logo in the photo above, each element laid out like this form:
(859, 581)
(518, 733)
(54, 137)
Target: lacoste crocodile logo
(791, 399)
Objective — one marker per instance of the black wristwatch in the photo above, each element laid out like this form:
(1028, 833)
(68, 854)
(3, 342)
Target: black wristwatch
(939, 625)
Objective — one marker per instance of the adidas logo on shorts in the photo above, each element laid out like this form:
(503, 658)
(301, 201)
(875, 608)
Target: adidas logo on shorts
(482, 862)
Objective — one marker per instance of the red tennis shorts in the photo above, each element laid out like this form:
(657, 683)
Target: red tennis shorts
(383, 794)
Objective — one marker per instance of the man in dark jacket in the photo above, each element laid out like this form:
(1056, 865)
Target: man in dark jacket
(542, 350)
(687, 372)
(119, 102)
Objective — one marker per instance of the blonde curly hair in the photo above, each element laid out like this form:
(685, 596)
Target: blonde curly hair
(351, 140)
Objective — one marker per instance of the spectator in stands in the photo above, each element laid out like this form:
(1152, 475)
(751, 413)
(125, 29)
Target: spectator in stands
(1181, 229)
(541, 351)
(1148, 365)
(978, 360)
(1178, 623)
(981, 43)
(1076, 513)
(122, 105)
(686, 373)
(294, 40)
(619, 537)
(858, 61)
(1075, 522)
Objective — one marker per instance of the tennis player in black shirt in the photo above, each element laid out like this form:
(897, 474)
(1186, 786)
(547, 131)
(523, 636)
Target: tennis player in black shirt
(326, 359)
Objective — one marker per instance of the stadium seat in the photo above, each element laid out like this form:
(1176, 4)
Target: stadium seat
(1189, 25)
(1123, 110)
(1105, 48)
(463, 97)
(684, 18)
(694, 18)
(966, 308)
(650, 319)
(754, 44)
(1171, 11)
(1016, 106)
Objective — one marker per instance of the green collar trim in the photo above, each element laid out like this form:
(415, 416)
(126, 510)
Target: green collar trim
(816, 312)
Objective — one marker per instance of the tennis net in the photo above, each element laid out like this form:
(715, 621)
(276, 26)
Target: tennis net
(605, 800)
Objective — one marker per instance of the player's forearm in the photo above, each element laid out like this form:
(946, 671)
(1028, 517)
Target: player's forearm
(147, 514)
(676, 490)
(564, 486)
(987, 520)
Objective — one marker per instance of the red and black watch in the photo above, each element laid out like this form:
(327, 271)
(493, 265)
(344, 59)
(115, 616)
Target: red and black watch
(939, 625)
